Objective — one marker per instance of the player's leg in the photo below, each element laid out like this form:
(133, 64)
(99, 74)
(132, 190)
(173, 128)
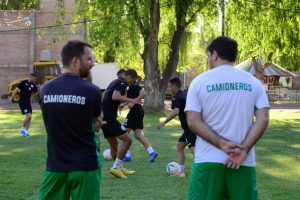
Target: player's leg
(113, 144)
(85, 185)
(27, 120)
(127, 157)
(54, 186)
(139, 135)
(181, 157)
(241, 183)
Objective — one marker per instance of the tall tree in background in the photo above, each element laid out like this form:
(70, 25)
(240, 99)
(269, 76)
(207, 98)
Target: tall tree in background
(137, 29)
(262, 27)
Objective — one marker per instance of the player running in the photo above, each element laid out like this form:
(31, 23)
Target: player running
(26, 88)
(134, 119)
(187, 138)
(112, 98)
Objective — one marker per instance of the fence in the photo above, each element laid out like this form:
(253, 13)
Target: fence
(283, 94)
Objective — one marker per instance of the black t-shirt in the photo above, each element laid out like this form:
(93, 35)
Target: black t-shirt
(178, 101)
(133, 91)
(69, 105)
(109, 106)
(26, 89)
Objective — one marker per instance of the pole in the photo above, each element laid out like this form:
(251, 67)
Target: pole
(223, 20)
(85, 29)
(32, 40)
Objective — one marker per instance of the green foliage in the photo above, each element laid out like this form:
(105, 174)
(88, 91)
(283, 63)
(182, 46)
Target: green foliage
(19, 4)
(262, 27)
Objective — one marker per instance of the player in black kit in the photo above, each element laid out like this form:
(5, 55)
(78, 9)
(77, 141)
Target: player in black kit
(188, 138)
(134, 120)
(71, 109)
(26, 89)
(112, 98)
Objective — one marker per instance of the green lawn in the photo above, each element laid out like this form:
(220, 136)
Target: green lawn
(22, 161)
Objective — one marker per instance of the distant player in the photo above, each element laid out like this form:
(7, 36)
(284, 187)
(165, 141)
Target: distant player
(26, 89)
(112, 98)
(134, 120)
(178, 105)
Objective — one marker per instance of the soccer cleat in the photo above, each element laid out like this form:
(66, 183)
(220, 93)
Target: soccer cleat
(127, 172)
(127, 159)
(152, 156)
(23, 133)
(27, 133)
(117, 173)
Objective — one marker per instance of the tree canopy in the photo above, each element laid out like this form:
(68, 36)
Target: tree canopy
(19, 4)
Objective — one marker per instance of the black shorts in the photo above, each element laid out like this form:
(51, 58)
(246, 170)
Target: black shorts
(135, 118)
(25, 108)
(113, 128)
(188, 137)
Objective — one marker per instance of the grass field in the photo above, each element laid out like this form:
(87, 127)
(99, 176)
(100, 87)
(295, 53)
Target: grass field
(22, 161)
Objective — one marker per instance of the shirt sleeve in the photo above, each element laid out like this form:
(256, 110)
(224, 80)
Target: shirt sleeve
(121, 88)
(193, 101)
(20, 85)
(175, 102)
(262, 98)
(35, 89)
(97, 103)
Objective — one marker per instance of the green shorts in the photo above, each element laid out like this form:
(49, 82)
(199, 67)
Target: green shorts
(215, 181)
(79, 185)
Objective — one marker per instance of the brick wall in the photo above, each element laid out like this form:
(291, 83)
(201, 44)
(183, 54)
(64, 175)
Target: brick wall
(15, 46)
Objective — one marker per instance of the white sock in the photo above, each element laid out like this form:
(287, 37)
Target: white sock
(22, 129)
(128, 154)
(181, 169)
(118, 164)
(150, 150)
(143, 133)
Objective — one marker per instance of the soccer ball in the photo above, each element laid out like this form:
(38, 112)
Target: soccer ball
(106, 154)
(172, 168)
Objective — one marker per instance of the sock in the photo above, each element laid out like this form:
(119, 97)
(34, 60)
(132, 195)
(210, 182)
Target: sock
(22, 129)
(128, 153)
(117, 164)
(143, 133)
(181, 169)
(150, 150)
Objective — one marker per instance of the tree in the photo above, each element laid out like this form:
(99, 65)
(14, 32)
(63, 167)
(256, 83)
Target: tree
(138, 27)
(264, 27)
(19, 4)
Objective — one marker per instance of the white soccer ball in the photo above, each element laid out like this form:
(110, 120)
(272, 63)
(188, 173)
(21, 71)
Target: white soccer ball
(106, 154)
(172, 168)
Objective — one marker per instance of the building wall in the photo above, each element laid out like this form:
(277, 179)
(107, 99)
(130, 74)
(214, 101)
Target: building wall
(20, 48)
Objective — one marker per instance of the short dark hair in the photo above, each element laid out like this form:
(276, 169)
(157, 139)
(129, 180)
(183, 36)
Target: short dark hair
(175, 81)
(225, 47)
(121, 71)
(74, 48)
(132, 73)
(33, 75)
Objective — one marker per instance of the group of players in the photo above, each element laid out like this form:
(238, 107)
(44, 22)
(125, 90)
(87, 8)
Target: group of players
(224, 158)
(123, 91)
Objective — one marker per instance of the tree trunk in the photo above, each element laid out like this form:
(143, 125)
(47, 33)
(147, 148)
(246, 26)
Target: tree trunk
(173, 57)
(154, 100)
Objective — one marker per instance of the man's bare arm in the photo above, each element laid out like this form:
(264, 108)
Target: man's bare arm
(238, 156)
(198, 127)
(171, 116)
(118, 97)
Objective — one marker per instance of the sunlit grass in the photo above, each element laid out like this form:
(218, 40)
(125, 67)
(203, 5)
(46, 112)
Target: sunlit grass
(22, 160)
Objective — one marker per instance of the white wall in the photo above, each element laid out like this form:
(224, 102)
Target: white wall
(104, 74)
(284, 83)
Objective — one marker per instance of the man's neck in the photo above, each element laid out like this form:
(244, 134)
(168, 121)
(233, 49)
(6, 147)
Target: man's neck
(223, 62)
(70, 71)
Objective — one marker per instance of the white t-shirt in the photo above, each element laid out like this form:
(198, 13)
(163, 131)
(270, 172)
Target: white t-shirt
(227, 99)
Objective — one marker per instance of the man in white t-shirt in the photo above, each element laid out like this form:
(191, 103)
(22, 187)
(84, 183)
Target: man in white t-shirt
(221, 105)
